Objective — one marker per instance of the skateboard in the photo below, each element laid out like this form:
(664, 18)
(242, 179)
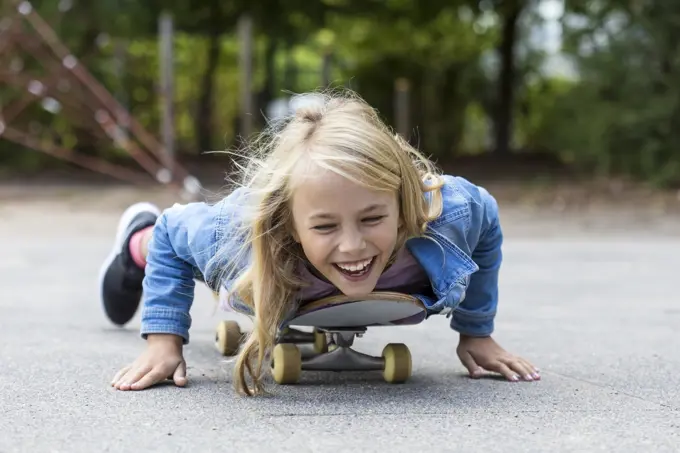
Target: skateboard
(336, 321)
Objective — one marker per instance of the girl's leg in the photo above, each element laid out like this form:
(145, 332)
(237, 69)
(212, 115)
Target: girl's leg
(122, 273)
(144, 245)
(139, 245)
(138, 249)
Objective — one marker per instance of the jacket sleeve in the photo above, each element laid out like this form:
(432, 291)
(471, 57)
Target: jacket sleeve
(185, 241)
(475, 315)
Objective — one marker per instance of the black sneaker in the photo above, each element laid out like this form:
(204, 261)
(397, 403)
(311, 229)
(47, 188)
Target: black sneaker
(120, 279)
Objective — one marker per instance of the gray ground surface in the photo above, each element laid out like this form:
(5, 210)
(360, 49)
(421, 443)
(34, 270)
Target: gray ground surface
(590, 299)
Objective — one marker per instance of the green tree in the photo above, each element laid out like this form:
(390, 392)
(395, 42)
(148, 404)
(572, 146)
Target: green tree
(624, 113)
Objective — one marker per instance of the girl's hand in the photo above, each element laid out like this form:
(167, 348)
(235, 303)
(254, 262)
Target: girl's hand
(162, 360)
(479, 354)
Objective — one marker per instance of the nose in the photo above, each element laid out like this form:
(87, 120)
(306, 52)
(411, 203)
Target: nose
(351, 241)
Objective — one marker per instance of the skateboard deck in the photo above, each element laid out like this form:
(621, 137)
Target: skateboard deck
(376, 309)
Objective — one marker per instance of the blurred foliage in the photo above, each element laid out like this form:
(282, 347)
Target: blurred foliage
(617, 114)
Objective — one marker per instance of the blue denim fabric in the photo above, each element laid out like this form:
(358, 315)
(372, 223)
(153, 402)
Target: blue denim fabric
(461, 256)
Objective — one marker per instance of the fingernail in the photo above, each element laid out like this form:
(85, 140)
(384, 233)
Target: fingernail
(536, 376)
(515, 377)
(528, 377)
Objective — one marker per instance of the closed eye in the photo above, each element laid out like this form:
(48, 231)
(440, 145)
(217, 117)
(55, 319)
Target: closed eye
(326, 227)
(374, 219)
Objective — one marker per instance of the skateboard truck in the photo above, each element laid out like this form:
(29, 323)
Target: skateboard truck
(341, 356)
(288, 363)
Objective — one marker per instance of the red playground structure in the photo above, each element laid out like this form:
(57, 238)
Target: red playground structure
(38, 68)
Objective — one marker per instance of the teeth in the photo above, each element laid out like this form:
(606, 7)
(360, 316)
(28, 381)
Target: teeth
(354, 267)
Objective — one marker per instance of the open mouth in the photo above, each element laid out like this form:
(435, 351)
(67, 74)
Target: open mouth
(356, 270)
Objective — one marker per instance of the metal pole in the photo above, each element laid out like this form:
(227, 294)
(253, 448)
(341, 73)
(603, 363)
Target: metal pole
(402, 89)
(119, 59)
(245, 33)
(326, 67)
(167, 89)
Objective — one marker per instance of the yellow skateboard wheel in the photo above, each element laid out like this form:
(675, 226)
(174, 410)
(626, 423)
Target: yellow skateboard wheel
(320, 343)
(228, 338)
(287, 365)
(397, 368)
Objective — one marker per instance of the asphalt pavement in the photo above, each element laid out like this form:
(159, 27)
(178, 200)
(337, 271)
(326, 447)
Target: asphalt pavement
(598, 313)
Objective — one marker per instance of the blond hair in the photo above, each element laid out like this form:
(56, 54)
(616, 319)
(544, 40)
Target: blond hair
(339, 132)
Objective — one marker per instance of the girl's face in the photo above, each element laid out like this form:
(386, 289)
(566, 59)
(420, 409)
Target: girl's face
(347, 232)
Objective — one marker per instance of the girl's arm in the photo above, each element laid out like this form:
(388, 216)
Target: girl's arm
(474, 318)
(185, 240)
(475, 315)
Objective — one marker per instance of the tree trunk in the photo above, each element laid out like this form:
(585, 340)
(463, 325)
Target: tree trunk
(267, 94)
(290, 70)
(506, 80)
(204, 114)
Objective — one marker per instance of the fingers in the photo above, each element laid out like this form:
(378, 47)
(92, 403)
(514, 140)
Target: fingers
(154, 376)
(512, 368)
(469, 363)
(143, 376)
(122, 379)
(531, 370)
(119, 375)
(518, 368)
(506, 371)
(180, 375)
(133, 375)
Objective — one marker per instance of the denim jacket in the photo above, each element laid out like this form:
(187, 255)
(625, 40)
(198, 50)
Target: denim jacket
(461, 256)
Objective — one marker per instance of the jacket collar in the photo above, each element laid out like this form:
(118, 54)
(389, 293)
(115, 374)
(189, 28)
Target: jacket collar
(444, 262)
